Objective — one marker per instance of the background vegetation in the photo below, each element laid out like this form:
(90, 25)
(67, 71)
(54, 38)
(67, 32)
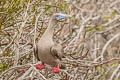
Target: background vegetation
(91, 38)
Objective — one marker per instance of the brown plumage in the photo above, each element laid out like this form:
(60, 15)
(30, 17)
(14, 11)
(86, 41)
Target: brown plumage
(46, 49)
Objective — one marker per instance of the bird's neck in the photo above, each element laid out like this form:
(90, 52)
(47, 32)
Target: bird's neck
(50, 30)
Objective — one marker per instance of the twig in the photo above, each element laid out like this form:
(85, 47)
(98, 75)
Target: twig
(26, 73)
(106, 45)
(38, 72)
(105, 62)
(10, 42)
(15, 67)
(114, 73)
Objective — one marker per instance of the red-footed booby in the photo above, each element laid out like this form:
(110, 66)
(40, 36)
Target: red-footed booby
(46, 50)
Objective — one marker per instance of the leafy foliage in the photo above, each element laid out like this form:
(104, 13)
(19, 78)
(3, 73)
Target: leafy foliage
(84, 37)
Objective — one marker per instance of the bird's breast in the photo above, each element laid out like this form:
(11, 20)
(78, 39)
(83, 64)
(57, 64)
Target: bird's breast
(44, 52)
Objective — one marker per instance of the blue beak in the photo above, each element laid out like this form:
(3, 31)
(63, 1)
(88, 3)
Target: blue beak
(62, 16)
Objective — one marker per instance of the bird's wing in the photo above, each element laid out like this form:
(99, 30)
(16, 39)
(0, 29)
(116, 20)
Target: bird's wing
(57, 51)
(36, 51)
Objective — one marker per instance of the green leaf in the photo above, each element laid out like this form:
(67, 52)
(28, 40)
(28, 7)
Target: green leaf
(1, 27)
(9, 9)
(99, 28)
(107, 18)
(103, 66)
(1, 67)
(67, 12)
(90, 28)
(8, 66)
(98, 68)
(113, 14)
(33, 7)
(27, 1)
(63, 6)
(114, 64)
(49, 10)
(4, 1)
(104, 75)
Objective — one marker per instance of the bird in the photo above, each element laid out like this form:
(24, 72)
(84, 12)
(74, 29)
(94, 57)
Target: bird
(46, 50)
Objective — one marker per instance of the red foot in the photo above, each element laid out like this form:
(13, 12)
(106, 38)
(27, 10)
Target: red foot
(40, 66)
(56, 69)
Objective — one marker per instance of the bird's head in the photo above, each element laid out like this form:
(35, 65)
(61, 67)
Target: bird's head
(60, 16)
